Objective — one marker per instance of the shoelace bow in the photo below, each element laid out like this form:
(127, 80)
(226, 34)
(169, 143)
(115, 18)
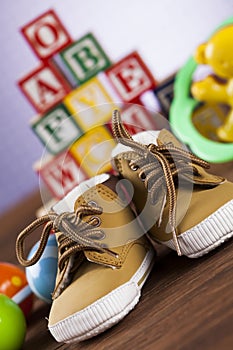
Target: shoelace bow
(159, 166)
(75, 235)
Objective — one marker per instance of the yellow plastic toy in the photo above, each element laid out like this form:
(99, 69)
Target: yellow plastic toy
(217, 52)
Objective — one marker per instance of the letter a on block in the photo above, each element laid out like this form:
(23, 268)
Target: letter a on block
(61, 174)
(85, 58)
(46, 35)
(44, 87)
(130, 77)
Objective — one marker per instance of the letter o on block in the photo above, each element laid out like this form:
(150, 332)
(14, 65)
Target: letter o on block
(46, 35)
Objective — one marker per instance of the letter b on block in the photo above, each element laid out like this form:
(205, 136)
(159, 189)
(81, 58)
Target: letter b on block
(85, 58)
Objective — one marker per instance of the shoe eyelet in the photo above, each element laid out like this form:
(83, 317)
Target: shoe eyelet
(98, 221)
(134, 167)
(142, 176)
(92, 204)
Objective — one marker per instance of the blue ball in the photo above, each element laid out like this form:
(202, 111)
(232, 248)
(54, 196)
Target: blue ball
(42, 275)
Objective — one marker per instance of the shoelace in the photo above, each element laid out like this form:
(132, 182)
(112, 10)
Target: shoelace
(159, 166)
(75, 235)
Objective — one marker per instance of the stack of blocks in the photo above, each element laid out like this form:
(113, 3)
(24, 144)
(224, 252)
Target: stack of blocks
(74, 90)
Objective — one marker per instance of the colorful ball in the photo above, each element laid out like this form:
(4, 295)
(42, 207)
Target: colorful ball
(41, 276)
(12, 324)
(13, 283)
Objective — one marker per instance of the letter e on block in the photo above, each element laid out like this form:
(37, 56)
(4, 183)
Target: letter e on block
(61, 174)
(130, 77)
(46, 35)
(44, 87)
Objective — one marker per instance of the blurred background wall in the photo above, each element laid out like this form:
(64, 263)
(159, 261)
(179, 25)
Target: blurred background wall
(165, 33)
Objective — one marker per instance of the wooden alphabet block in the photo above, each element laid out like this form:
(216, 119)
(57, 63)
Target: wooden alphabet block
(60, 174)
(85, 58)
(44, 87)
(90, 104)
(56, 129)
(62, 67)
(150, 101)
(137, 118)
(164, 93)
(93, 151)
(130, 77)
(46, 35)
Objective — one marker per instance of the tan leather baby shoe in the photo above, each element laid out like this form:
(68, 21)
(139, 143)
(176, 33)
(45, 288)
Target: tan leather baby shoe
(104, 259)
(178, 202)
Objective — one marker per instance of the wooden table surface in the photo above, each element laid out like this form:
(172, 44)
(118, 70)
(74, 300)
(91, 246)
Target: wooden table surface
(185, 304)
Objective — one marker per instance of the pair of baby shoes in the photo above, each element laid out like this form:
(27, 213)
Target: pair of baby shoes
(104, 228)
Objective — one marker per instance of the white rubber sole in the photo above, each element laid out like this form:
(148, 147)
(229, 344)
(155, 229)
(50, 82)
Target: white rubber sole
(208, 234)
(105, 312)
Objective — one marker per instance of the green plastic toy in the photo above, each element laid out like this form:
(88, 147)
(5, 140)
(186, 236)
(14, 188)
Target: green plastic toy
(181, 116)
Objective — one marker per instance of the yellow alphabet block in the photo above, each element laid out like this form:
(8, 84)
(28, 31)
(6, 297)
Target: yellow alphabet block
(93, 151)
(90, 104)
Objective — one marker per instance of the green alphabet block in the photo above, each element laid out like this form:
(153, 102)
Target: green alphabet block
(85, 58)
(57, 129)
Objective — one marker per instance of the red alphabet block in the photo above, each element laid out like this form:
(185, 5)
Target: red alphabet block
(137, 118)
(60, 174)
(130, 77)
(44, 87)
(46, 35)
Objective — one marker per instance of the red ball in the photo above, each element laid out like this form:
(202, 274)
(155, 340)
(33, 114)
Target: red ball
(13, 283)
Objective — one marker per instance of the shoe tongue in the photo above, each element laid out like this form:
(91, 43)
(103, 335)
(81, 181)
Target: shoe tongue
(147, 137)
(166, 137)
(102, 194)
(67, 204)
(203, 178)
(144, 137)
